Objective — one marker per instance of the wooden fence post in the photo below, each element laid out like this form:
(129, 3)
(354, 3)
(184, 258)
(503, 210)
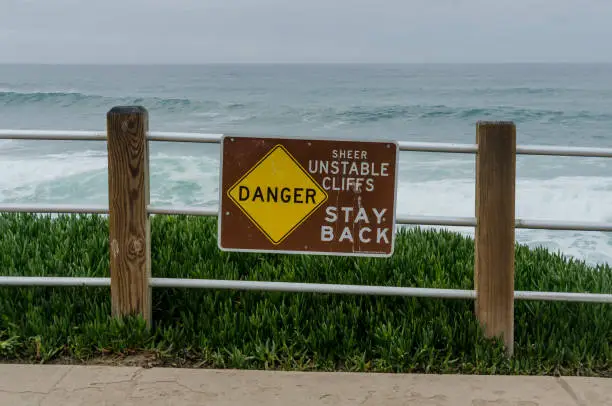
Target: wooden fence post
(494, 236)
(128, 194)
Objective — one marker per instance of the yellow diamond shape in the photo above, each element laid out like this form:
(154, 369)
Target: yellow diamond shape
(277, 194)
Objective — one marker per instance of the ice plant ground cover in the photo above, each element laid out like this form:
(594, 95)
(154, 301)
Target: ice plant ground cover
(238, 329)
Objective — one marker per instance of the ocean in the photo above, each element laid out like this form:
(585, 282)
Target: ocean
(569, 105)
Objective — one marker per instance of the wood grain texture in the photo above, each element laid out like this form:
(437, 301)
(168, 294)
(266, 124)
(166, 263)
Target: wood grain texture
(129, 228)
(494, 237)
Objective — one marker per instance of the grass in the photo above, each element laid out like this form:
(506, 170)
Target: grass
(224, 329)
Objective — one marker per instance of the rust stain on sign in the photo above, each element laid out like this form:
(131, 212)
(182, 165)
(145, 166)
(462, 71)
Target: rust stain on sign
(317, 196)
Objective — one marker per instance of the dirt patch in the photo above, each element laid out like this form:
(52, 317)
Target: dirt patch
(144, 359)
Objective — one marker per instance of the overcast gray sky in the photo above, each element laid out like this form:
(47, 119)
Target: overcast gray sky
(201, 31)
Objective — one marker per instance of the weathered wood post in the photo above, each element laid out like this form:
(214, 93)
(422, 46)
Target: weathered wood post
(494, 237)
(128, 194)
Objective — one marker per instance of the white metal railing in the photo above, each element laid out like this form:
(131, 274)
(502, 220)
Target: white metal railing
(214, 138)
(306, 287)
(404, 220)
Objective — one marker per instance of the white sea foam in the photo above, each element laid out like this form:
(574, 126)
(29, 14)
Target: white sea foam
(81, 178)
(51, 91)
(25, 179)
(558, 199)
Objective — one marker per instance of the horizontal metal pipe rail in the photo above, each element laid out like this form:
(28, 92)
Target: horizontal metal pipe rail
(51, 281)
(52, 135)
(212, 138)
(52, 208)
(405, 220)
(184, 210)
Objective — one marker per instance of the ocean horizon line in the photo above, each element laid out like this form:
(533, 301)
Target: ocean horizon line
(310, 63)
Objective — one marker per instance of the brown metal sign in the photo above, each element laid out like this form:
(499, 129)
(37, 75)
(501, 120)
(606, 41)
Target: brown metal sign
(317, 196)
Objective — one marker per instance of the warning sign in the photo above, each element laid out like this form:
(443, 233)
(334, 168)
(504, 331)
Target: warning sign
(289, 195)
(277, 194)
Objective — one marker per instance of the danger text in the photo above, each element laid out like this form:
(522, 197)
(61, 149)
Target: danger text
(276, 194)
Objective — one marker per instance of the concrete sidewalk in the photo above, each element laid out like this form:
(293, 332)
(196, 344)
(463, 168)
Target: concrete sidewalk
(22, 385)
